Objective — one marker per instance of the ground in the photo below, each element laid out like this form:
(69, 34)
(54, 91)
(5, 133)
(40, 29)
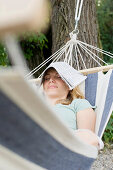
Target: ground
(104, 160)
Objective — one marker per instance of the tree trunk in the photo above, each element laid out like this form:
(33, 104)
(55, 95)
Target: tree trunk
(63, 22)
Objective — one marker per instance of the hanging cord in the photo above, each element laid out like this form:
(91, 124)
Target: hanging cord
(54, 56)
(78, 12)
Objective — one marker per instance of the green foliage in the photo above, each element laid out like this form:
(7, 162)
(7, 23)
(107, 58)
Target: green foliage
(3, 56)
(33, 43)
(105, 20)
(108, 134)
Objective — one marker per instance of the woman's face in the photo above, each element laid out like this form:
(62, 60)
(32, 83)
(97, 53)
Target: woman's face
(54, 86)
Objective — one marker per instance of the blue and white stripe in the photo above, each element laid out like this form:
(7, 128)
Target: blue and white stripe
(99, 92)
(30, 130)
(37, 135)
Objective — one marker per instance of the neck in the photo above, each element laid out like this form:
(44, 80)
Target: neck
(53, 100)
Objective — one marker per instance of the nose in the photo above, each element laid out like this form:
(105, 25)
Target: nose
(52, 79)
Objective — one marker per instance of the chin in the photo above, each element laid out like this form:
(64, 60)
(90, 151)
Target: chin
(52, 94)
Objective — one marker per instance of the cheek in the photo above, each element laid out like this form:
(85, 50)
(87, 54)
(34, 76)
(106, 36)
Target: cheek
(63, 86)
(44, 85)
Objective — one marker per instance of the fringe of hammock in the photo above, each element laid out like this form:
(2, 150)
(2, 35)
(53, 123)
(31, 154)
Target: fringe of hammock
(84, 72)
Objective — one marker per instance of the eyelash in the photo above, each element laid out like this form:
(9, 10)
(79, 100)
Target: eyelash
(48, 78)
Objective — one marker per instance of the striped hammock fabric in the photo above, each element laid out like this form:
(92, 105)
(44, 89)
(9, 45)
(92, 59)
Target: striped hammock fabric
(98, 90)
(31, 135)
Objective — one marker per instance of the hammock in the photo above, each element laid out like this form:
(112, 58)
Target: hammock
(30, 129)
(31, 135)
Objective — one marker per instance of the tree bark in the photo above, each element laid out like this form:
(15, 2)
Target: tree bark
(63, 22)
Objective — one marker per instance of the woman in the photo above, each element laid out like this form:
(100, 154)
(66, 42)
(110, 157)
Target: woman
(60, 83)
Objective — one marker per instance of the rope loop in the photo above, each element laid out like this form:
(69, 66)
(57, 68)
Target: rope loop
(74, 33)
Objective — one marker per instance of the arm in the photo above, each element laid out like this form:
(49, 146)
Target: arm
(86, 119)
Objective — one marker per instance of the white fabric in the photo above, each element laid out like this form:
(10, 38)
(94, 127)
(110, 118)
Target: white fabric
(100, 143)
(71, 76)
(102, 86)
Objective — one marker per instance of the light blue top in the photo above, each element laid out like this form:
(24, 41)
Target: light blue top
(67, 113)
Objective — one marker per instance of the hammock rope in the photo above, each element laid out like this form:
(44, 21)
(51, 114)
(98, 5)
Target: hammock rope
(73, 49)
(78, 12)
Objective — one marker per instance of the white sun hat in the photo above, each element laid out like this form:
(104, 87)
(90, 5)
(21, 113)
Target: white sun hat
(68, 74)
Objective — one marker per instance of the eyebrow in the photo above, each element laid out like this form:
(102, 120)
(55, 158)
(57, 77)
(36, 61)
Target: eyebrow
(49, 74)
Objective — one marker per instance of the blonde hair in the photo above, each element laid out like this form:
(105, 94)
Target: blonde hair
(73, 94)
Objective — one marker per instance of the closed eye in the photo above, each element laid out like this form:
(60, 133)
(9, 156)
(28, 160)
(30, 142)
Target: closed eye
(47, 78)
(58, 77)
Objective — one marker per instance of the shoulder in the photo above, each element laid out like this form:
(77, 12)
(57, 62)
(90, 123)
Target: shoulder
(80, 101)
(81, 104)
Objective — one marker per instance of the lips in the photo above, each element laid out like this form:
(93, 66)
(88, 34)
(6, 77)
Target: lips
(52, 87)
